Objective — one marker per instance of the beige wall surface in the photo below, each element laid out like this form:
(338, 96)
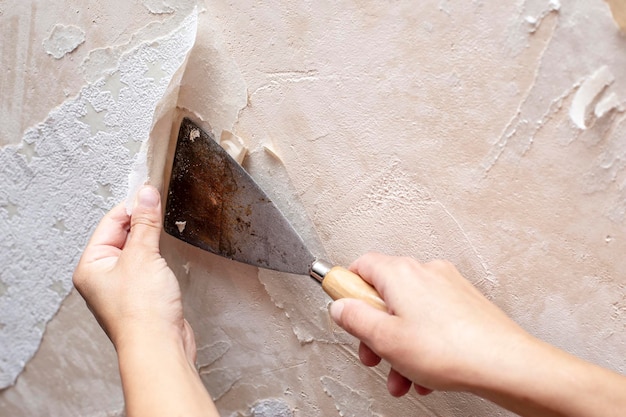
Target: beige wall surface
(489, 133)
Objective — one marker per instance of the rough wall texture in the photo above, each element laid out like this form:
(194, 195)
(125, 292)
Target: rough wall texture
(489, 133)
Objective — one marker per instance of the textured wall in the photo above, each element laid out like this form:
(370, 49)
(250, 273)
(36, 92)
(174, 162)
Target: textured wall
(488, 133)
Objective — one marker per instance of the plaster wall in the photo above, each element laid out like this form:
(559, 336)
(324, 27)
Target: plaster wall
(488, 133)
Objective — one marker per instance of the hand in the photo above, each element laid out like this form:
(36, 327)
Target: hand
(125, 281)
(137, 300)
(441, 333)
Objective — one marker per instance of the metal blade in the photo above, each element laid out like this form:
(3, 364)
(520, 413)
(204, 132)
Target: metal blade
(213, 203)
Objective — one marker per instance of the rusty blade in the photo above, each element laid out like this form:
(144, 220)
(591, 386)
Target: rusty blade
(213, 203)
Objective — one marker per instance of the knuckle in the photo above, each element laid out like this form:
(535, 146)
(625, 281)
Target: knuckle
(350, 319)
(383, 336)
(145, 221)
(78, 278)
(77, 281)
(405, 266)
(440, 265)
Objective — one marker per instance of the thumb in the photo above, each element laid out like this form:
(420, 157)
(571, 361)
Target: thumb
(370, 325)
(145, 221)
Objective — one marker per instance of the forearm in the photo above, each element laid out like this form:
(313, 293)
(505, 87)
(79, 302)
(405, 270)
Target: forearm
(158, 380)
(541, 381)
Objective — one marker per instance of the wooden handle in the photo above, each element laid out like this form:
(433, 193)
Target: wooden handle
(341, 283)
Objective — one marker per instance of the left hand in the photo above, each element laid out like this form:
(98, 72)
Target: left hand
(125, 281)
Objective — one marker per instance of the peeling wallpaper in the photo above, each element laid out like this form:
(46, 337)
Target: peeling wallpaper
(486, 133)
(83, 147)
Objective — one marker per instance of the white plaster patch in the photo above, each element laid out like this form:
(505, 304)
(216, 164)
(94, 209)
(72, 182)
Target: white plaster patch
(271, 407)
(63, 40)
(101, 60)
(46, 208)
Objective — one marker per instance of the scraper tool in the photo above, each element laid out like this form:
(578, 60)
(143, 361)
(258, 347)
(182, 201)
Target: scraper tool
(213, 203)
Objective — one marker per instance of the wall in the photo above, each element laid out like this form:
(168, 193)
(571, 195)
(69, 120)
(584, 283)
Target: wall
(485, 133)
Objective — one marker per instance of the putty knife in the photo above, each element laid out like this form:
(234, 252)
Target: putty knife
(213, 203)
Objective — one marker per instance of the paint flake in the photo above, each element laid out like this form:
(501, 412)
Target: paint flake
(63, 40)
(607, 104)
(181, 226)
(270, 150)
(194, 134)
(587, 93)
(234, 145)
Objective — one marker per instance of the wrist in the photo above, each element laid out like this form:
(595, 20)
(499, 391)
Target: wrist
(517, 375)
(537, 379)
(492, 363)
(147, 336)
(159, 377)
(508, 364)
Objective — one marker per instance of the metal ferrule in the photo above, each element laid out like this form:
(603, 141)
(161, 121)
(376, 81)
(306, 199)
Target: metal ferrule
(319, 269)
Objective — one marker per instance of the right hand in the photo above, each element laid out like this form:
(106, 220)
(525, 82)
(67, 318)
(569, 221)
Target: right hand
(440, 333)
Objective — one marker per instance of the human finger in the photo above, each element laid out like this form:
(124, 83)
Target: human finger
(377, 329)
(109, 237)
(363, 265)
(422, 390)
(367, 355)
(397, 384)
(376, 268)
(145, 222)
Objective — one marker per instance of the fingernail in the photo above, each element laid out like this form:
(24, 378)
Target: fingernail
(336, 308)
(148, 197)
